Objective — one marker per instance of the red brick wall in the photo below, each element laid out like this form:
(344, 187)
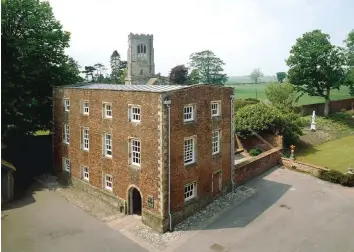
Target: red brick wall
(253, 141)
(206, 164)
(335, 106)
(255, 166)
(123, 175)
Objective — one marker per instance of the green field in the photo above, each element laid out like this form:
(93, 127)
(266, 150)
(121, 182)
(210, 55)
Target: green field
(335, 155)
(257, 91)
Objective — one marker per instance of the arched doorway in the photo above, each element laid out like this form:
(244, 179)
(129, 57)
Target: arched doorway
(135, 201)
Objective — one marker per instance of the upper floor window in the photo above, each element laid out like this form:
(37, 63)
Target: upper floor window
(66, 137)
(107, 145)
(189, 150)
(135, 152)
(85, 139)
(85, 107)
(215, 108)
(141, 49)
(67, 105)
(215, 142)
(188, 113)
(134, 113)
(107, 110)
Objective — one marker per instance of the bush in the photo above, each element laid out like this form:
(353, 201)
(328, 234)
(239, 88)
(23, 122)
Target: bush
(255, 151)
(261, 118)
(282, 96)
(239, 103)
(337, 177)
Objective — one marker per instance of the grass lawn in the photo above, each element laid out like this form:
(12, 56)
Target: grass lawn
(243, 91)
(336, 154)
(42, 133)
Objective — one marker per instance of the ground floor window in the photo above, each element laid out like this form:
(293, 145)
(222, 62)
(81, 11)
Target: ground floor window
(190, 191)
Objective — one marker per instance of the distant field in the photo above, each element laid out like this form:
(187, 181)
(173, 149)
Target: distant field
(244, 91)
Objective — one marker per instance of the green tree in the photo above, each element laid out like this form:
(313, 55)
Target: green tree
(89, 71)
(209, 66)
(115, 67)
(100, 73)
(281, 76)
(193, 77)
(282, 96)
(316, 66)
(256, 75)
(122, 77)
(349, 78)
(33, 59)
(179, 74)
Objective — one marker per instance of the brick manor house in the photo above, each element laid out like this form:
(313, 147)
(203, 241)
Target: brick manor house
(161, 151)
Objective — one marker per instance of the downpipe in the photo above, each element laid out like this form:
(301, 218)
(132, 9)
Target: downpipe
(232, 142)
(168, 103)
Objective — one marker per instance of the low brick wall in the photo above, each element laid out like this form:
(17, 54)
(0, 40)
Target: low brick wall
(304, 167)
(255, 166)
(254, 141)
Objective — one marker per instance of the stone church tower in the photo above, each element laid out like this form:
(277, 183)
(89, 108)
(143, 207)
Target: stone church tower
(141, 66)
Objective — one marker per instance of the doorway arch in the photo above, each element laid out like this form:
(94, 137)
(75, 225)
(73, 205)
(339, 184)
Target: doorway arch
(135, 202)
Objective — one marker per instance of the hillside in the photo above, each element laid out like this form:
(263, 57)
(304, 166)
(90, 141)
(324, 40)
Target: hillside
(246, 79)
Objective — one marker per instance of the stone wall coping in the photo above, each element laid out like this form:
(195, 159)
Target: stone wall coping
(256, 158)
(306, 164)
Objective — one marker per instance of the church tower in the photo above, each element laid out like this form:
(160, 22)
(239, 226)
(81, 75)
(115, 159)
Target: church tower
(141, 66)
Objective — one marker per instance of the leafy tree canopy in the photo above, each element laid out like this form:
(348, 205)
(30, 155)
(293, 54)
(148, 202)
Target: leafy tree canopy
(282, 96)
(281, 76)
(316, 66)
(179, 74)
(33, 61)
(209, 66)
(349, 79)
(193, 77)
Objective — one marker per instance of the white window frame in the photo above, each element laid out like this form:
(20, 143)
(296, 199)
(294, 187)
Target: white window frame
(85, 109)
(215, 142)
(135, 117)
(106, 111)
(85, 139)
(191, 157)
(108, 182)
(66, 105)
(66, 139)
(135, 144)
(105, 149)
(217, 109)
(191, 113)
(192, 192)
(66, 164)
(85, 173)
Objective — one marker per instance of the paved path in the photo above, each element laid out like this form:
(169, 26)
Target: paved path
(45, 221)
(290, 212)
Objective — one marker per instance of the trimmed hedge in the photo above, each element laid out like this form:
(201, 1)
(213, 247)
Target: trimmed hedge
(337, 177)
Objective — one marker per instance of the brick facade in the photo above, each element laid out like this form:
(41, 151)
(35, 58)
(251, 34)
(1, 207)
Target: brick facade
(151, 178)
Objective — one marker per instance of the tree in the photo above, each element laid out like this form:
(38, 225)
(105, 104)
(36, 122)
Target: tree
(89, 70)
(209, 67)
(193, 77)
(282, 96)
(316, 66)
(115, 67)
(281, 77)
(33, 47)
(256, 75)
(261, 118)
(179, 74)
(349, 78)
(122, 77)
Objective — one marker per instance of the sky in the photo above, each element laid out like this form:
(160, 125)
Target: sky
(245, 34)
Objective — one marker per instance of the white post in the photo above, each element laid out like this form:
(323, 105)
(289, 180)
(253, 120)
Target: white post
(313, 122)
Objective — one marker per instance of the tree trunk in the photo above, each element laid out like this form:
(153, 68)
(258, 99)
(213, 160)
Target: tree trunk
(326, 108)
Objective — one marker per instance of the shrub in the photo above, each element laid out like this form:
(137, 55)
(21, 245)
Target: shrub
(337, 177)
(282, 96)
(240, 103)
(261, 118)
(255, 151)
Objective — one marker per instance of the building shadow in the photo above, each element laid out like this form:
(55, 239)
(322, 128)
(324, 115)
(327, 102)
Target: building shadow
(240, 215)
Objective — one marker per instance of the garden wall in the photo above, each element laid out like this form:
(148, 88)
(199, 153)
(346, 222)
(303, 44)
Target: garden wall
(253, 141)
(304, 167)
(255, 166)
(335, 106)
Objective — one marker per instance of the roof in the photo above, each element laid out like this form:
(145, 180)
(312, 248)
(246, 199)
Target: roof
(133, 87)
(151, 81)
